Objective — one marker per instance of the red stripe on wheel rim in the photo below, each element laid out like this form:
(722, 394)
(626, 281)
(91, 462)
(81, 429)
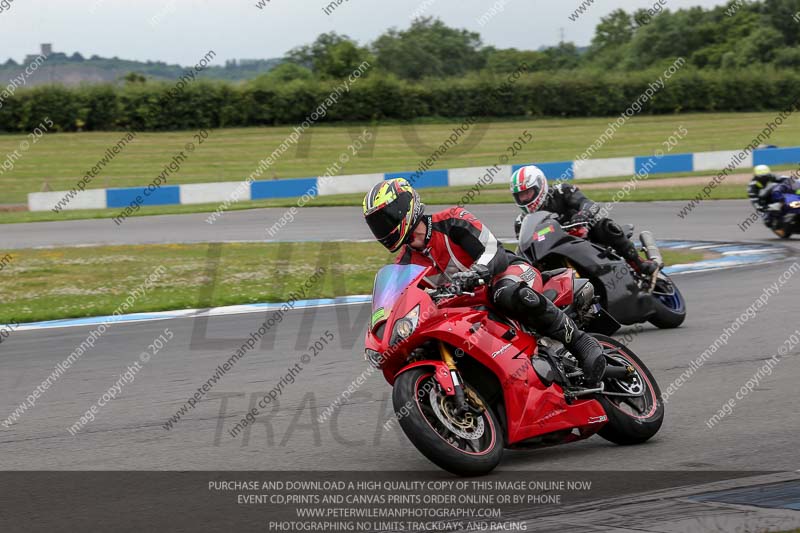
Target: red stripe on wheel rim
(487, 419)
(644, 377)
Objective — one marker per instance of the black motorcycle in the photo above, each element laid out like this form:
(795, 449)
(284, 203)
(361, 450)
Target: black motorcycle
(611, 292)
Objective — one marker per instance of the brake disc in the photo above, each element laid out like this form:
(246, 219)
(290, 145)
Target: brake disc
(454, 426)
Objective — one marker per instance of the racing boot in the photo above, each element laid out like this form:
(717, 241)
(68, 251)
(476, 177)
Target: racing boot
(520, 301)
(629, 252)
(584, 347)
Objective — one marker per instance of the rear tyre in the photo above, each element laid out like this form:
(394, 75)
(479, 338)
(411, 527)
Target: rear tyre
(463, 445)
(631, 420)
(670, 307)
(785, 227)
(784, 233)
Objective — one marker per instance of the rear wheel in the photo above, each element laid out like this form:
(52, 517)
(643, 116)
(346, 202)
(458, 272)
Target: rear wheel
(633, 405)
(670, 307)
(466, 445)
(784, 232)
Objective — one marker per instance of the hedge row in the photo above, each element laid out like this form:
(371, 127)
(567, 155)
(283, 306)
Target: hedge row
(144, 107)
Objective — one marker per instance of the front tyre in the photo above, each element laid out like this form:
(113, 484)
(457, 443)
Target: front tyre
(467, 445)
(634, 408)
(668, 302)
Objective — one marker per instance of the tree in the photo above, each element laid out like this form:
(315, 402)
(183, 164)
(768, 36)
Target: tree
(510, 59)
(134, 78)
(284, 73)
(784, 16)
(428, 48)
(563, 56)
(761, 46)
(788, 58)
(330, 56)
(614, 30)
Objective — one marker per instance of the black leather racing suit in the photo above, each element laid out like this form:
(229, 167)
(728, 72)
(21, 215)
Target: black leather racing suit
(571, 205)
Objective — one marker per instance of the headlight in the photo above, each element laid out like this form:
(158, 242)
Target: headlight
(795, 204)
(404, 327)
(374, 358)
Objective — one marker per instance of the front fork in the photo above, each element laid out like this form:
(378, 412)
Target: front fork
(461, 392)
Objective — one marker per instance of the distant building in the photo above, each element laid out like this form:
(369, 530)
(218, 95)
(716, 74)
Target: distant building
(46, 49)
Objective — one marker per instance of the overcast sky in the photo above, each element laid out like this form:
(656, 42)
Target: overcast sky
(182, 31)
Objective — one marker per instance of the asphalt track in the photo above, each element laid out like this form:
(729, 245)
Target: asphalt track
(760, 434)
(648, 487)
(712, 220)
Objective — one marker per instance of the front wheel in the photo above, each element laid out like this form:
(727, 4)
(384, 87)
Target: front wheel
(670, 307)
(633, 405)
(465, 445)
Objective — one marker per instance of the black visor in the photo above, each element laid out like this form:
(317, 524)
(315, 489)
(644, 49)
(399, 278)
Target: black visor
(384, 222)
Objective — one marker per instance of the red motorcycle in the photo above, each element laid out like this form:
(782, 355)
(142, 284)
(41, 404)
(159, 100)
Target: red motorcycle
(469, 382)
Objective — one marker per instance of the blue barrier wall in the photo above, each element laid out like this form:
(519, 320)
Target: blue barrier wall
(170, 194)
(429, 178)
(292, 188)
(777, 156)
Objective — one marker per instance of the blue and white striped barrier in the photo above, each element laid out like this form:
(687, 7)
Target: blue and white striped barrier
(314, 186)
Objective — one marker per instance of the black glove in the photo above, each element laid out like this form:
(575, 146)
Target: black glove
(518, 224)
(481, 271)
(581, 218)
(589, 214)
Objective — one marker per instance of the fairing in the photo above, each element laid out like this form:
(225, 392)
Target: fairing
(531, 408)
(542, 239)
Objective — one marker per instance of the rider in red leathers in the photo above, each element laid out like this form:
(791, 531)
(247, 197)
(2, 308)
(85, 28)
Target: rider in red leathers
(453, 241)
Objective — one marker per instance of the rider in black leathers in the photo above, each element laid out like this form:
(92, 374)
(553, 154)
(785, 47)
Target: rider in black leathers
(760, 191)
(531, 193)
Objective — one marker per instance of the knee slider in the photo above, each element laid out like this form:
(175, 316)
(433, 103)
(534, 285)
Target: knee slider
(523, 300)
(517, 297)
(610, 233)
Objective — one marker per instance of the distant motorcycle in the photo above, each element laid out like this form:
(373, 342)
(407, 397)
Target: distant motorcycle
(786, 208)
(613, 292)
(469, 382)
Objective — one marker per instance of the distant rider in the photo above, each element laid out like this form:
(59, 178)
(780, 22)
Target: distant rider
(760, 191)
(532, 193)
(453, 241)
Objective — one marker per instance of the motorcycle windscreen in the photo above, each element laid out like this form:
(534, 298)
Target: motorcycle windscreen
(540, 231)
(390, 282)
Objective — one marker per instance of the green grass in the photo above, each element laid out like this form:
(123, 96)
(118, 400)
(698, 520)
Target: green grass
(60, 160)
(89, 281)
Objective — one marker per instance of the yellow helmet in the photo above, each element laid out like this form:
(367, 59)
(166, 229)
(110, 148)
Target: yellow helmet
(762, 170)
(392, 209)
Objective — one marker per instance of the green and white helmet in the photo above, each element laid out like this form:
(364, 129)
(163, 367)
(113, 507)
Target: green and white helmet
(529, 187)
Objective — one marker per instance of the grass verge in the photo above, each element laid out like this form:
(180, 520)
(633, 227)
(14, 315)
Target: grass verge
(49, 284)
(61, 159)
